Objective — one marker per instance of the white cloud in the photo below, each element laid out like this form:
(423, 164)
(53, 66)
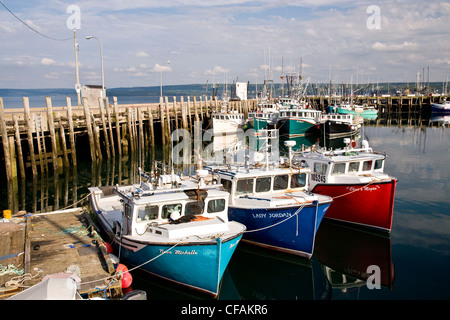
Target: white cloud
(47, 62)
(406, 45)
(215, 70)
(142, 54)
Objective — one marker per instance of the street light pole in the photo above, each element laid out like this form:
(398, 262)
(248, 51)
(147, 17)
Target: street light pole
(101, 56)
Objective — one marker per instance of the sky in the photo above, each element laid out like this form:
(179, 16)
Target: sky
(198, 41)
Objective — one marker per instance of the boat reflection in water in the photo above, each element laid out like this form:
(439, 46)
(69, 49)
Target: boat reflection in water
(260, 274)
(346, 252)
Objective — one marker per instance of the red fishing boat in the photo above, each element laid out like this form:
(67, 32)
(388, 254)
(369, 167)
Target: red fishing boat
(363, 193)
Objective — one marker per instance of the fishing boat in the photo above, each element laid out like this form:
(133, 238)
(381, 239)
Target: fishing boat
(299, 121)
(265, 117)
(173, 226)
(272, 201)
(227, 121)
(366, 111)
(443, 107)
(337, 125)
(362, 192)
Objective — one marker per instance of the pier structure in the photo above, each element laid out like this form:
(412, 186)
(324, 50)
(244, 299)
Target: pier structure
(59, 244)
(47, 139)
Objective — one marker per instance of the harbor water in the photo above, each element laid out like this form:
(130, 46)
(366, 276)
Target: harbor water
(412, 260)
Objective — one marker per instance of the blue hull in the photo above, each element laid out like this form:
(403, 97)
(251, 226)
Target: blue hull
(294, 233)
(199, 266)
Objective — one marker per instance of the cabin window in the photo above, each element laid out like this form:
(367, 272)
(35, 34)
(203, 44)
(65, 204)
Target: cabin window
(244, 186)
(217, 205)
(378, 164)
(339, 168)
(298, 180)
(367, 165)
(194, 208)
(147, 213)
(280, 182)
(353, 167)
(320, 168)
(226, 185)
(263, 184)
(169, 208)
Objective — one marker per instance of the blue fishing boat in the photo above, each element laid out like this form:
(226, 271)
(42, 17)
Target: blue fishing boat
(272, 201)
(172, 226)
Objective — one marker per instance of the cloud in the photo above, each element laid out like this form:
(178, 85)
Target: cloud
(142, 54)
(215, 70)
(406, 45)
(47, 62)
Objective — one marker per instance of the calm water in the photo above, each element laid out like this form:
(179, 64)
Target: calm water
(413, 260)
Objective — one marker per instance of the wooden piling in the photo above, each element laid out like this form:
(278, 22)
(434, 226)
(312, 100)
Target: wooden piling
(111, 135)
(116, 114)
(151, 128)
(51, 129)
(87, 115)
(105, 129)
(29, 125)
(4, 131)
(71, 132)
(19, 146)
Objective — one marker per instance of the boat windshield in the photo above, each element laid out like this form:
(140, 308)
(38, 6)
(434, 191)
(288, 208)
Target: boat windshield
(298, 180)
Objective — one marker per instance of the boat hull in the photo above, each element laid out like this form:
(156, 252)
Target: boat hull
(198, 266)
(370, 114)
(297, 127)
(366, 205)
(287, 230)
(335, 129)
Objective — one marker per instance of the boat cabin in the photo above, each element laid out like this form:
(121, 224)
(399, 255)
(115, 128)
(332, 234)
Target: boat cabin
(247, 182)
(335, 166)
(142, 208)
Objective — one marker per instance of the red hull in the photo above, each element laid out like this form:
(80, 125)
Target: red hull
(368, 205)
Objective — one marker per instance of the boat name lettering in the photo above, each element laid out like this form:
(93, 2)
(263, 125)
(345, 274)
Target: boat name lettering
(370, 189)
(280, 215)
(318, 177)
(185, 252)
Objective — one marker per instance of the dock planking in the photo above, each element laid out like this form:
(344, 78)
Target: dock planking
(62, 241)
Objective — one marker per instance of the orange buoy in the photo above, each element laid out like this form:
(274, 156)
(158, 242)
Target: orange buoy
(126, 280)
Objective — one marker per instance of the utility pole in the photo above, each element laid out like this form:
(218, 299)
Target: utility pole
(77, 86)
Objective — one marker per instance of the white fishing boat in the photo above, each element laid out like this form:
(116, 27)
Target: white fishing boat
(170, 225)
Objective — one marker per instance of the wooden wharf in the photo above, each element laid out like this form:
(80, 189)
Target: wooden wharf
(58, 243)
(41, 139)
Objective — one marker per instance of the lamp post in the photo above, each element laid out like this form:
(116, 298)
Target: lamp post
(101, 56)
(160, 78)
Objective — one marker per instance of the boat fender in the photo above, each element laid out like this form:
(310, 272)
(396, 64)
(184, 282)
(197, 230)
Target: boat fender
(353, 143)
(124, 275)
(109, 248)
